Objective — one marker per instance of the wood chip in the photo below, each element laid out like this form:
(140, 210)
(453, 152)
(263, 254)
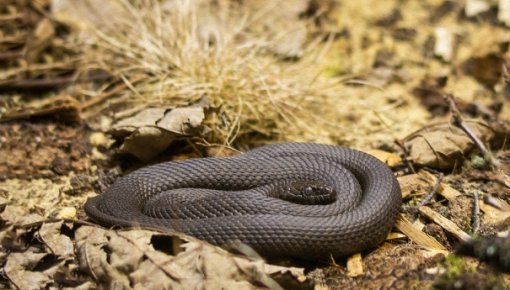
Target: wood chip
(445, 190)
(355, 265)
(504, 12)
(412, 184)
(491, 214)
(395, 236)
(445, 223)
(390, 159)
(444, 43)
(495, 215)
(417, 236)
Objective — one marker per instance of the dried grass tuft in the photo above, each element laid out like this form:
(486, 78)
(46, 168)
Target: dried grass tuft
(185, 50)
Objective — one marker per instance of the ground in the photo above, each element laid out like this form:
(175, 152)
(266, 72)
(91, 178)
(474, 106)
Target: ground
(89, 96)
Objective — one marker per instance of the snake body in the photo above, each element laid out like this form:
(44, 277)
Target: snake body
(301, 200)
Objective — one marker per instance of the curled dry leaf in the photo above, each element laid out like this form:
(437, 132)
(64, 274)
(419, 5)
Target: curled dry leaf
(18, 215)
(58, 243)
(152, 130)
(443, 145)
(147, 259)
(18, 269)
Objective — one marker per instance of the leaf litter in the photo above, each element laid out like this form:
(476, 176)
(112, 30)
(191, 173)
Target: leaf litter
(260, 72)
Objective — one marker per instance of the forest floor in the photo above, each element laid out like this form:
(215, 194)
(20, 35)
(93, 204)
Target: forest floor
(92, 90)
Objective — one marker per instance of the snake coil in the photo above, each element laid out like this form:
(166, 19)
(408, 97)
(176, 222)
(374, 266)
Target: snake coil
(300, 200)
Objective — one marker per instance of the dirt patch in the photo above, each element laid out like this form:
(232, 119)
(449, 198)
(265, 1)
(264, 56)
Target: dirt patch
(43, 150)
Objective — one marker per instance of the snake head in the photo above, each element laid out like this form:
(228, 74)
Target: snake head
(308, 192)
(316, 189)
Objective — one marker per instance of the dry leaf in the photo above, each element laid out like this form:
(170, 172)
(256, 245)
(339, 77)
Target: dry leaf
(152, 130)
(443, 145)
(147, 142)
(18, 270)
(58, 243)
(18, 215)
(142, 259)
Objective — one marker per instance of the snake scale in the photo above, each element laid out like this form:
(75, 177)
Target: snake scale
(303, 200)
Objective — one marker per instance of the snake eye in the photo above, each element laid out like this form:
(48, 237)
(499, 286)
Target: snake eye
(307, 190)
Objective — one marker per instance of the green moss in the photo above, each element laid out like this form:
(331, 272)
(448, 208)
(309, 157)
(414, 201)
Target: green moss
(459, 274)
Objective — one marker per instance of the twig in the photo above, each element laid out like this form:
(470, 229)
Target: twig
(430, 195)
(433, 192)
(458, 121)
(406, 155)
(48, 83)
(476, 212)
(7, 55)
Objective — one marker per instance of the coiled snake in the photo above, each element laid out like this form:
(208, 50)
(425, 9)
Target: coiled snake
(301, 200)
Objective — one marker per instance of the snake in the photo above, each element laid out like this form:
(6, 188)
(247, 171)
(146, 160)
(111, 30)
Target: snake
(298, 200)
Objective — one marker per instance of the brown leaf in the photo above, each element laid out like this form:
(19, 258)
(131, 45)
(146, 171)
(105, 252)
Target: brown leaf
(143, 259)
(147, 142)
(442, 145)
(18, 215)
(18, 271)
(58, 243)
(152, 130)
(91, 253)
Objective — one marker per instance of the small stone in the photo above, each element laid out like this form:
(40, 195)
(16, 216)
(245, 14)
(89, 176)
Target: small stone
(67, 213)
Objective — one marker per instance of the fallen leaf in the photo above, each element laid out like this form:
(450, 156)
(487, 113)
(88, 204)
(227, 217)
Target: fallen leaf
(18, 270)
(182, 121)
(143, 259)
(18, 215)
(147, 142)
(58, 243)
(152, 130)
(443, 145)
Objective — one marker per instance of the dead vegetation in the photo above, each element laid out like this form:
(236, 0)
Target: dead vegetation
(82, 80)
(224, 54)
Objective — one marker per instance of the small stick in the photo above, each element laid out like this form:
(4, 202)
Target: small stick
(406, 155)
(458, 121)
(6, 55)
(476, 212)
(433, 192)
(430, 195)
(47, 83)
